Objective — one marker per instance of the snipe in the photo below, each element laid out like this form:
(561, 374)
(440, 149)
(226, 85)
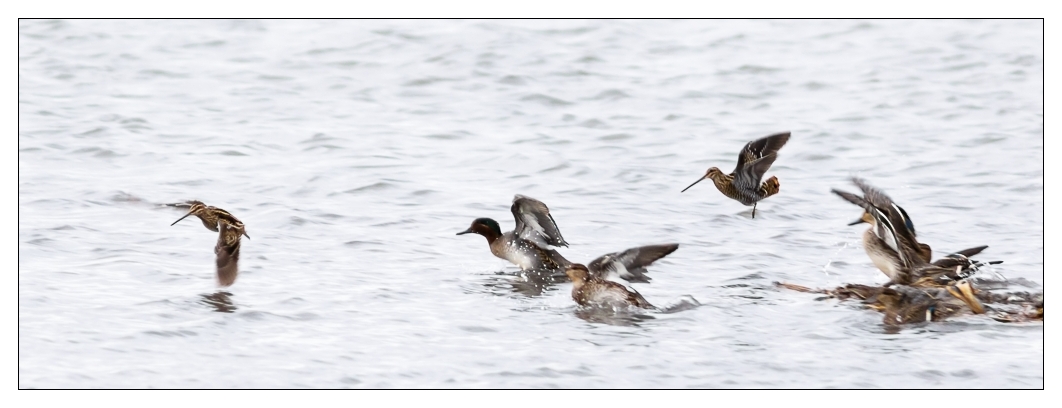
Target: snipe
(229, 231)
(743, 184)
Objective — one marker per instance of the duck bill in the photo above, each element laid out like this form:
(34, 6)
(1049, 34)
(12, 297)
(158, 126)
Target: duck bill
(179, 219)
(866, 217)
(467, 231)
(694, 183)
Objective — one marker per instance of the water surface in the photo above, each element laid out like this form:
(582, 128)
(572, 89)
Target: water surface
(355, 150)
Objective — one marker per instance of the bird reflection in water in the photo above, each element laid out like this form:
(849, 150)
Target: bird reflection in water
(613, 316)
(530, 283)
(221, 301)
(631, 316)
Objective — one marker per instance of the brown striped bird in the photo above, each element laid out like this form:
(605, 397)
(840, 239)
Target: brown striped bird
(229, 231)
(743, 184)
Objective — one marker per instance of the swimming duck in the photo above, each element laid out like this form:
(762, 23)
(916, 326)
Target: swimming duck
(743, 184)
(229, 231)
(591, 285)
(527, 246)
(892, 245)
(591, 290)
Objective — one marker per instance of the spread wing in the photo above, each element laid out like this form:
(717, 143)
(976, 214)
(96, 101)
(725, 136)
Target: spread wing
(756, 157)
(228, 252)
(852, 198)
(630, 264)
(879, 199)
(534, 223)
(957, 265)
(968, 252)
(892, 223)
(749, 176)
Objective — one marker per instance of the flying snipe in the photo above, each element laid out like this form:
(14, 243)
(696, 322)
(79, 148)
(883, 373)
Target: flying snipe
(229, 231)
(743, 184)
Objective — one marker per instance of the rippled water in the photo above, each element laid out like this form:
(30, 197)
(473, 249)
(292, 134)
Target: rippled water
(355, 150)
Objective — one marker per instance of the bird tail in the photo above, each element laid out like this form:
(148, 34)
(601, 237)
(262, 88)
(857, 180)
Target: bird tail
(771, 186)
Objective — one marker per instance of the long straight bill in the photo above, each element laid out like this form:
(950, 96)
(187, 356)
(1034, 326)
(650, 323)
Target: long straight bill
(179, 220)
(694, 183)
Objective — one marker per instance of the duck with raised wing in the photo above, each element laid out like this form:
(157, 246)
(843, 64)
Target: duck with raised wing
(591, 285)
(893, 247)
(527, 246)
(229, 231)
(743, 184)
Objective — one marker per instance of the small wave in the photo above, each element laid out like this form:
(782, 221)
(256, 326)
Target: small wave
(545, 100)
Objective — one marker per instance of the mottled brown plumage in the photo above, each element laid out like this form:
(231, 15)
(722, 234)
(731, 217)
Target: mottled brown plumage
(891, 243)
(229, 229)
(903, 304)
(589, 290)
(743, 184)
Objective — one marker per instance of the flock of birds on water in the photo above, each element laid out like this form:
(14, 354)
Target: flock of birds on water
(919, 289)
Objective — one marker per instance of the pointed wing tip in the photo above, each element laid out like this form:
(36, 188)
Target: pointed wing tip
(669, 248)
(781, 136)
(852, 198)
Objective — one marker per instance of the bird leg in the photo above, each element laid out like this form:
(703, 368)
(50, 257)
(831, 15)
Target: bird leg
(754, 210)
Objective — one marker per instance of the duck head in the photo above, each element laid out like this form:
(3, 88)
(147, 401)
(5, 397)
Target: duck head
(485, 227)
(578, 273)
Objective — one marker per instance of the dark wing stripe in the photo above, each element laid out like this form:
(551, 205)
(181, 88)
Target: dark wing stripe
(886, 231)
(898, 220)
(748, 177)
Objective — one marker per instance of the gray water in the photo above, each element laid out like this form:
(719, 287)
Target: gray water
(355, 150)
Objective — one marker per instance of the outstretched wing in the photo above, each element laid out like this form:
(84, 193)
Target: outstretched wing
(879, 199)
(957, 265)
(759, 149)
(968, 252)
(892, 222)
(852, 198)
(630, 264)
(749, 176)
(755, 158)
(534, 223)
(228, 252)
